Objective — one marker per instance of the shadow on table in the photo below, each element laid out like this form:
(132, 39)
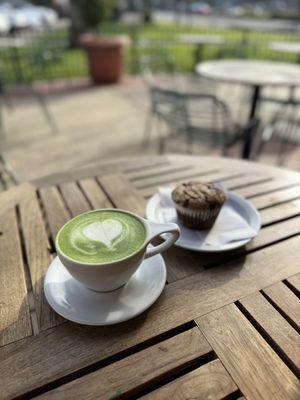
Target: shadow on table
(205, 279)
(182, 263)
(19, 328)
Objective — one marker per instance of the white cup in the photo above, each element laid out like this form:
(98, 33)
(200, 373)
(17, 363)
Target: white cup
(105, 277)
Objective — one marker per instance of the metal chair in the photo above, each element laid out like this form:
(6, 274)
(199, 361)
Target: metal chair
(7, 176)
(41, 50)
(197, 115)
(284, 129)
(47, 50)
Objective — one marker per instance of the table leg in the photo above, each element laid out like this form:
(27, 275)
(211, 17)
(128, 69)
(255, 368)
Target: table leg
(198, 54)
(249, 137)
(292, 95)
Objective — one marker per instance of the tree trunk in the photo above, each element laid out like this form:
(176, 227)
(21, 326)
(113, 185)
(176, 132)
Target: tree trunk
(77, 27)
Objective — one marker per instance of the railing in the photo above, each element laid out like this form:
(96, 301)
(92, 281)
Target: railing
(28, 57)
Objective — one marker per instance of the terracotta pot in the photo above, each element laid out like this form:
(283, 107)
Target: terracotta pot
(105, 57)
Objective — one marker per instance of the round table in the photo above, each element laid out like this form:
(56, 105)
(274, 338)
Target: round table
(256, 74)
(200, 41)
(225, 323)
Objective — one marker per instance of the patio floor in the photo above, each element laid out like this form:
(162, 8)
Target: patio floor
(97, 124)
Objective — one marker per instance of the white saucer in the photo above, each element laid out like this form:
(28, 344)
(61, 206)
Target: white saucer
(240, 205)
(77, 303)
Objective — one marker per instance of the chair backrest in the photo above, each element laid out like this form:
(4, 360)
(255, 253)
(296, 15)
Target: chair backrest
(152, 65)
(171, 106)
(288, 130)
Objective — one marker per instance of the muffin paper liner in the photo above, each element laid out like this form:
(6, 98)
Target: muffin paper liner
(197, 219)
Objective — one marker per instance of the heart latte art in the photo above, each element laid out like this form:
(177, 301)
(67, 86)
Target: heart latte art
(104, 232)
(101, 236)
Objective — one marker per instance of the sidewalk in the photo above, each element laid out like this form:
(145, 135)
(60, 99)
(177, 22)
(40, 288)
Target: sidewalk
(94, 124)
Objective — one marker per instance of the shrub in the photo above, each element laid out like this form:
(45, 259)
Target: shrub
(93, 12)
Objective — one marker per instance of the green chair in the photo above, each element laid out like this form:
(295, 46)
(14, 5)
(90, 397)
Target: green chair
(38, 53)
(199, 115)
(7, 176)
(283, 128)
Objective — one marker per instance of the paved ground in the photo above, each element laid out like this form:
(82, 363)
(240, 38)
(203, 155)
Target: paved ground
(100, 123)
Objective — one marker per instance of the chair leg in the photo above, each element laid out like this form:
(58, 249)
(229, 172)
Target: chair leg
(8, 170)
(161, 138)
(285, 144)
(224, 146)
(189, 142)
(147, 129)
(266, 135)
(42, 100)
(161, 145)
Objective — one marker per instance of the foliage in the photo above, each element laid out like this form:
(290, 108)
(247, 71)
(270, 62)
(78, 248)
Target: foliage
(93, 12)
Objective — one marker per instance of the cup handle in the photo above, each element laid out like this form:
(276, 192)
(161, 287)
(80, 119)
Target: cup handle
(158, 229)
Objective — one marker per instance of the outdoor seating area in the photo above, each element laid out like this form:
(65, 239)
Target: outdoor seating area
(149, 200)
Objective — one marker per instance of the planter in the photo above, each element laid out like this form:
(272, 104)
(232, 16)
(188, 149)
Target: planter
(105, 57)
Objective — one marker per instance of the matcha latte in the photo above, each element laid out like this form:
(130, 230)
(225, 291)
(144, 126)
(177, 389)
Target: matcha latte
(101, 236)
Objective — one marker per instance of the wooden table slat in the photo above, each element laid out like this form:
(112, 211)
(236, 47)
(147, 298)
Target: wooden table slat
(280, 212)
(281, 196)
(174, 180)
(172, 177)
(254, 366)
(12, 197)
(94, 193)
(142, 163)
(138, 370)
(211, 381)
(122, 193)
(286, 301)
(282, 334)
(247, 181)
(157, 171)
(294, 281)
(15, 322)
(74, 198)
(267, 187)
(38, 257)
(56, 212)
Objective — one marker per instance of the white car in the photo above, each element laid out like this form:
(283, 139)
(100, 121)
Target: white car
(22, 14)
(4, 24)
(13, 16)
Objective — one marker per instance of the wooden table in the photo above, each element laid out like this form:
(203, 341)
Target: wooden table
(226, 325)
(255, 74)
(200, 41)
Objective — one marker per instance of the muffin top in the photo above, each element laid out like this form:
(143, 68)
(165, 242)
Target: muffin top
(198, 195)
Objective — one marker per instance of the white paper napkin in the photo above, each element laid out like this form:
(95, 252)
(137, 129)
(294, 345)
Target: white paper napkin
(229, 226)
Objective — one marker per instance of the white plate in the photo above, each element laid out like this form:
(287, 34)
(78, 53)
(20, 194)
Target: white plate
(243, 207)
(77, 303)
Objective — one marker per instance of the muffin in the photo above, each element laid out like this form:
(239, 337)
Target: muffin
(198, 204)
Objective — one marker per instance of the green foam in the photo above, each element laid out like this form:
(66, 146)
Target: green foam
(101, 236)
